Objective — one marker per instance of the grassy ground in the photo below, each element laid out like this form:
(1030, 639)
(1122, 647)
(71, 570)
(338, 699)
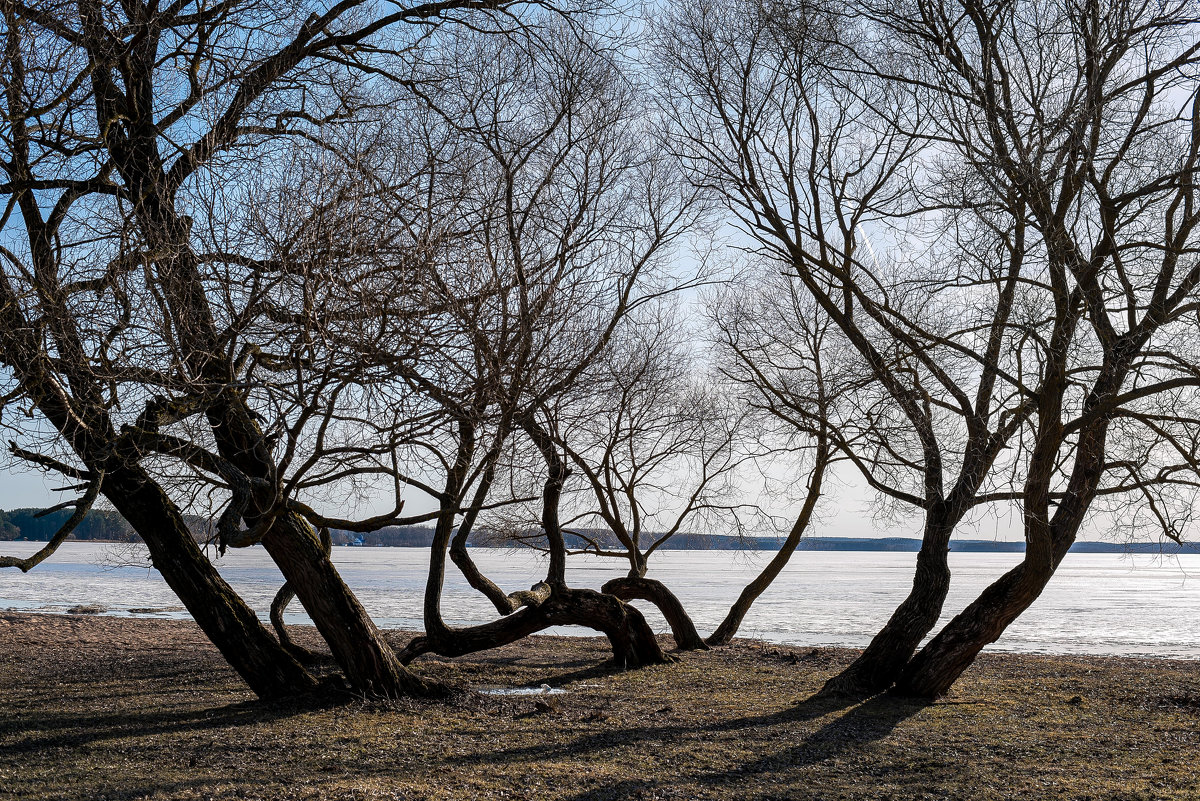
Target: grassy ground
(102, 708)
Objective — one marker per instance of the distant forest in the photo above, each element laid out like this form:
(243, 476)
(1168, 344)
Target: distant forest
(24, 524)
(107, 526)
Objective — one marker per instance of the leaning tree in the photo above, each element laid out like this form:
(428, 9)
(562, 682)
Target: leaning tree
(821, 166)
(1080, 122)
(150, 330)
(71, 340)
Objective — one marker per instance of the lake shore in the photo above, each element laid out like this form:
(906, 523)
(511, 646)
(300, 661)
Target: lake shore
(123, 708)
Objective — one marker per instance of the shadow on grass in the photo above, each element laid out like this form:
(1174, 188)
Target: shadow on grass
(46, 731)
(809, 709)
(593, 670)
(199, 787)
(862, 724)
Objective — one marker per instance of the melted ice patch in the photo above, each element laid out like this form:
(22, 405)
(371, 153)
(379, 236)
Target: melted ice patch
(545, 689)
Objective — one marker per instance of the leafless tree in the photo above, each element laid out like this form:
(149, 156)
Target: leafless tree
(148, 331)
(1079, 122)
(62, 312)
(654, 448)
(977, 195)
(820, 163)
(569, 211)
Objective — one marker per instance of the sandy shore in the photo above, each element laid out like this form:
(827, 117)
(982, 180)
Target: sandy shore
(111, 708)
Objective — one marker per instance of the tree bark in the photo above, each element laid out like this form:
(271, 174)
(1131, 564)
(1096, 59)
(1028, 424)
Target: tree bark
(269, 670)
(280, 604)
(939, 664)
(633, 642)
(367, 660)
(682, 629)
(881, 664)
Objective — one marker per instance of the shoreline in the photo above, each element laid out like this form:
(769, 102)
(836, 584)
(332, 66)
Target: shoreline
(144, 708)
(757, 543)
(579, 633)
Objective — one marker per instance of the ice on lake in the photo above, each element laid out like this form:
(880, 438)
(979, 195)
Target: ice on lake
(1097, 603)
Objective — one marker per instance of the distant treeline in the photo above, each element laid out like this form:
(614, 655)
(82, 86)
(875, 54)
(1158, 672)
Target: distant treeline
(22, 524)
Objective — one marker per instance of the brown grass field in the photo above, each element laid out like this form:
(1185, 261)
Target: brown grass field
(108, 708)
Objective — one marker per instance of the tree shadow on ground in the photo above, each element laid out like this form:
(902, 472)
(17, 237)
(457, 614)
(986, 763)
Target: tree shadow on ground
(509, 659)
(865, 723)
(593, 670)
(202, 786)
(809, 709)
(29, 734)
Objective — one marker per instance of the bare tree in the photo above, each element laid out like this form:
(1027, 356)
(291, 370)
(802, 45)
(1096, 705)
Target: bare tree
(819, 162)
(61, 314)
(568, 213)
(655, 450)
(976, 194)
(1080, 122)
(140, 110)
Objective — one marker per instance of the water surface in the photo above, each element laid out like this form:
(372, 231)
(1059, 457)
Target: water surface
(1096, 603)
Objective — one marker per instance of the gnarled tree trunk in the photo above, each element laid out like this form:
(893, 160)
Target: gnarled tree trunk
(549, 603)
(280, 604)
(633, 642)
(368, 661)
(683, 629)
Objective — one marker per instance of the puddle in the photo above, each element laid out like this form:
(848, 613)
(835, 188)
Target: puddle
(545, 689)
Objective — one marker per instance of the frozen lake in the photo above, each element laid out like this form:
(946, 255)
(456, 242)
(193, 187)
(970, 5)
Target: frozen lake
(1096, 604)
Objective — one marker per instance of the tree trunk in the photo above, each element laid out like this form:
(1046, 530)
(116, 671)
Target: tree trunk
(449, 642)
(1047, 539)
(880, 665)
(633, 642)
(737, 613)
(367, 660)
(657, 593)
(550, 603)
(232, 626)
(223, 616)
(503, 602)
(939, 664)
(280, 604)
(365, 657)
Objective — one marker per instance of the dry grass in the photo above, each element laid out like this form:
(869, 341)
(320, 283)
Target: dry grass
(101, 708)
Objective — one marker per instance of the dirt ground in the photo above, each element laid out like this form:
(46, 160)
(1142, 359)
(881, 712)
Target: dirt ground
(108, 708)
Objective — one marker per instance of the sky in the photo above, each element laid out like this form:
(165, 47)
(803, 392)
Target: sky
(29, 489)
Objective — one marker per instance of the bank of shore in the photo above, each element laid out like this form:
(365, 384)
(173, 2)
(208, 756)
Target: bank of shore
(119, 708)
